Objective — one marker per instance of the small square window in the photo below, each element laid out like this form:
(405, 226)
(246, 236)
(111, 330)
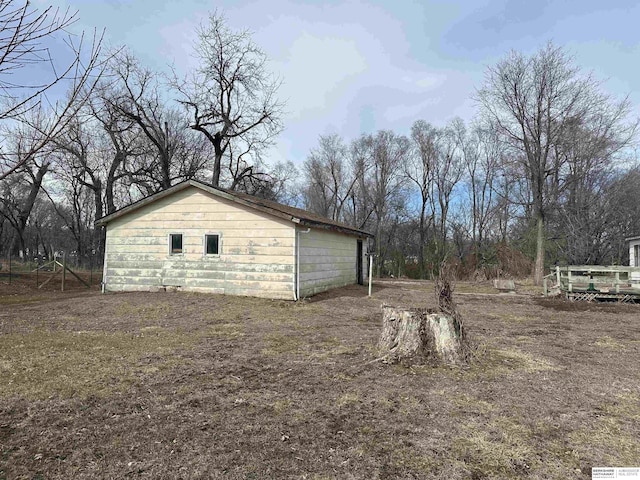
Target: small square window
(212, 244)
(175, 241)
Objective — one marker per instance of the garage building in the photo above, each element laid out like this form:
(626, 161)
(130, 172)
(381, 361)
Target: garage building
(195, 237)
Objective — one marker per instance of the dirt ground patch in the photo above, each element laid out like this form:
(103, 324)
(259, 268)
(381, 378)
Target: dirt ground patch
(179, 385)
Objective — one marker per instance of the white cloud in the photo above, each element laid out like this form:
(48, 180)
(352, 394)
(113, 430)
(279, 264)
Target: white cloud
(317, 71)
(344, 66)
(355, 65)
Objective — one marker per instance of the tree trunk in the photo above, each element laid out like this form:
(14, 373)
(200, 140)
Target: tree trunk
(538, 272)
(378, 260)
(421, 269)
(217, 161)
(98, 238)
(165, 166)
(111, 180)
(25, 209)
(415, 336)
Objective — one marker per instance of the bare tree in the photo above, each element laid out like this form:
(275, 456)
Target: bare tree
(532, 100)
(22, 44)
(386, 185)
(447, 172)
(419, 171)
(329, 179)
(588, 155)
(83, 174)
(244, 168)
(624, 220)
(231, 97)
(76, 207)
(136, 96)
(19, 198)
(481, 153)
(278, 184)
(46, 228)
(23, 48)
(120, 144)
(358, 209)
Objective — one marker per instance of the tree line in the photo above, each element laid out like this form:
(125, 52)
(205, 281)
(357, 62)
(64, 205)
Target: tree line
(108, 130)
(545, 173)
(459, 194)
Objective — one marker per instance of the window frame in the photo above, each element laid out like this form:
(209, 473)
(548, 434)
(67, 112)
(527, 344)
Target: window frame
(170, 241)
(204, 244)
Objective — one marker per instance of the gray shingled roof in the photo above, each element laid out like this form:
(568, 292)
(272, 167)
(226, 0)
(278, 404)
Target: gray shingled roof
(295, 215)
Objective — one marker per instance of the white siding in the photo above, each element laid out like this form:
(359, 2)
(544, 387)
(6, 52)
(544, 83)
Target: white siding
(256, 250)
(634, 261)
(634, 246)
(327, 260)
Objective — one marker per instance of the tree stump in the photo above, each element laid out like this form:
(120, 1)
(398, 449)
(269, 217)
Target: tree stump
(503, 285)
(417, 336)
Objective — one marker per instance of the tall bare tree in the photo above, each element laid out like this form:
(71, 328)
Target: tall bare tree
(532, 100)
(19, 197)
(389, 153)
(624, 220)
(231, 96)
(481, 154)
(447, 172)
(359, 206)
(589, 158)
(419, 171)
(136, 96)
(25, 53)
(120, 143)
(330, 181)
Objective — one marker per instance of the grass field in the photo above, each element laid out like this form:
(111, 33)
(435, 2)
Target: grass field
(178, 385)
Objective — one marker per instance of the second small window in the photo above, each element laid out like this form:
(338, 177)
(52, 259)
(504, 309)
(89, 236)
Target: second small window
(212, 244)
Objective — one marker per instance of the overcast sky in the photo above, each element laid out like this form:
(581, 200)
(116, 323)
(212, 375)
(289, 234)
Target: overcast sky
(361, 66)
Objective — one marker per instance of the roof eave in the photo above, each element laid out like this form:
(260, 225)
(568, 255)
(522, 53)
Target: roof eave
(335, 228)
(232, 198)
(181, 186)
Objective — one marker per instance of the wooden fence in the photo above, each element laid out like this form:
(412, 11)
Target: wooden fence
(40, 272)
(592, 282)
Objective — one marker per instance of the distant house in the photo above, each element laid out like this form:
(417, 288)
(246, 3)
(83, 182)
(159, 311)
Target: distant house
(634, 251)
(199, 238)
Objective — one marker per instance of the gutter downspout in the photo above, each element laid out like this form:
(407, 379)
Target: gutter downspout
(297, 280)
(104, 263)
(370, 271)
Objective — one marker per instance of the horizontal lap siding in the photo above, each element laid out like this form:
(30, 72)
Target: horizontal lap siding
(327, 260)
(635, 276)
(256, 250)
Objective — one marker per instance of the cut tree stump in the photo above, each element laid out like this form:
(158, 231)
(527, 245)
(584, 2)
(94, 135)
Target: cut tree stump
(417, 336)
(503, 285)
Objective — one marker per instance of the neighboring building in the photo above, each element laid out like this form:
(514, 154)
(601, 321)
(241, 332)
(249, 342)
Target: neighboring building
(199, 238)
(634, 259)
(634, 251)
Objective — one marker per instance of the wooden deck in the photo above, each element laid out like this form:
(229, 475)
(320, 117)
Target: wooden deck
(598, 283)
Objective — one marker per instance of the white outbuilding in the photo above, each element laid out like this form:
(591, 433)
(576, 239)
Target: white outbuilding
(195, 237)
(634, 251)
(634, 260)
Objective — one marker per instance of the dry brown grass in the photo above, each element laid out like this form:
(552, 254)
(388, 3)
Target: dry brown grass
(206, 386)
(44, 364)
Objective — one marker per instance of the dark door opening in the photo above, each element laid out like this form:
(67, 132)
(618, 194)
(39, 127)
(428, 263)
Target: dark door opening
(359, 263)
